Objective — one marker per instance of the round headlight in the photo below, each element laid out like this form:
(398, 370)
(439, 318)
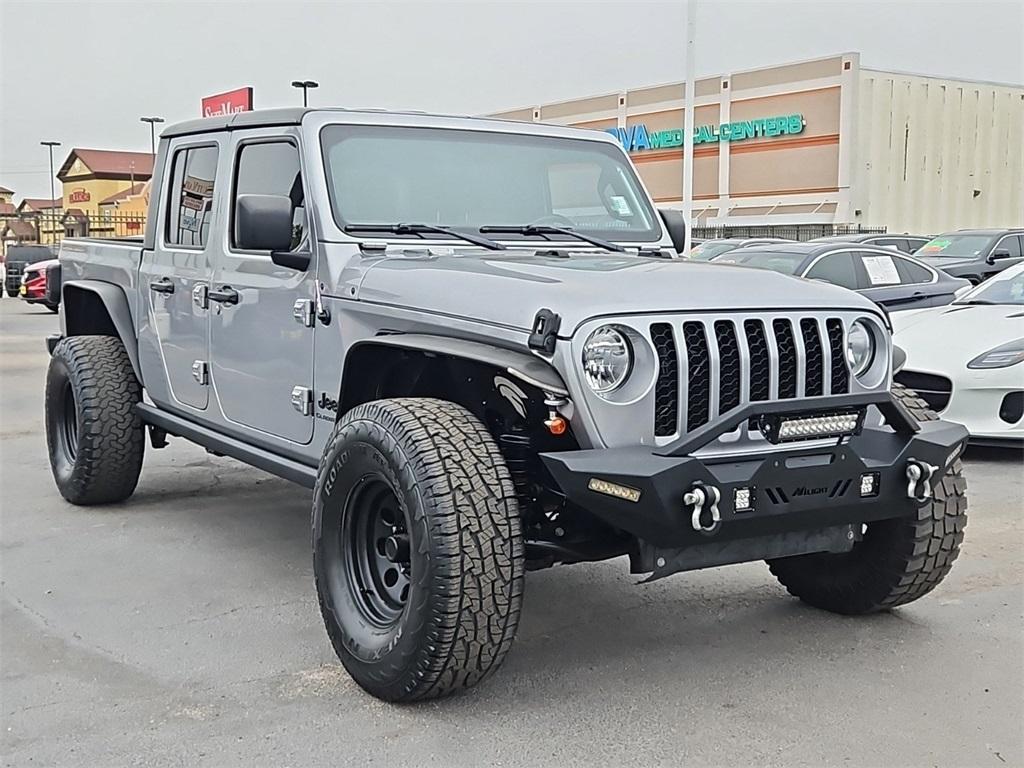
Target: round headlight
(607, 359)
(860, 348)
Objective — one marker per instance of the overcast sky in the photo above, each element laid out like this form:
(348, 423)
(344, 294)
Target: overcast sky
(84, 72)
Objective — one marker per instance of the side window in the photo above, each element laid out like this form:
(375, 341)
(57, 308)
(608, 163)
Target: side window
(880, 269)
(915, 243)
(1010, 243)
(912, 273)
(272, 168)
(190, 196)
(890, 242)
(838, 269)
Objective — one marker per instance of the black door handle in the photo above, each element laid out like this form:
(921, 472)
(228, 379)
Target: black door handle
(226, 295)
(163, 285)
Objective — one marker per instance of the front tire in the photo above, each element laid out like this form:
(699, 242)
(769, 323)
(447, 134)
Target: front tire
(94, 436)
(898, 560)
(417, 548)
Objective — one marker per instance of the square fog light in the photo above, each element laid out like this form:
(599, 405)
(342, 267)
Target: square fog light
(743, 499)
(869, 482)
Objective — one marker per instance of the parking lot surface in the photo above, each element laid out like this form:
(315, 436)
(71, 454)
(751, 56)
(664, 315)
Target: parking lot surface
(181, 628)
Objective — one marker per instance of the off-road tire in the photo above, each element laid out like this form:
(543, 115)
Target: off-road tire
(898, 560)
(97, 460)
(466, 553)
(11, 292)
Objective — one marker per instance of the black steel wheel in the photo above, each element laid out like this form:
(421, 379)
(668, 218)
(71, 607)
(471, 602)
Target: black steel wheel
(375, 548)
(417, 548)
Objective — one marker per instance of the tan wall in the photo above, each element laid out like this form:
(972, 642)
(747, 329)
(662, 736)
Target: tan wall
(935, 155)
(820, 109)
(787, 73)
(664, 176)
(98, 189)
(793, 168)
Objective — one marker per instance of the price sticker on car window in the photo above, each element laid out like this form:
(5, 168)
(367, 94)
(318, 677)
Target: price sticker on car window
(620, 206)
(881, 270)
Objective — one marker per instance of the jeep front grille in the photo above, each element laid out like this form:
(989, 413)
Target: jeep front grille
(710, 367)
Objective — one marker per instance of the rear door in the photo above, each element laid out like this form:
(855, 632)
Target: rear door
(173, 279)
(261, 320)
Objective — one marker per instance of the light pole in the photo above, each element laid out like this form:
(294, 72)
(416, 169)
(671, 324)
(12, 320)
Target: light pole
(53, 211)
(152, 131)
(691, 34)
(305, 85)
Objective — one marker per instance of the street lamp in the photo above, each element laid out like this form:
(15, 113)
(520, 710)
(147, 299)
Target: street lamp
(305, 85)
(53, 211)
(152, 131)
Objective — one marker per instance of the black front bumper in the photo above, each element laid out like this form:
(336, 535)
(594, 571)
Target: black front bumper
(798, 489)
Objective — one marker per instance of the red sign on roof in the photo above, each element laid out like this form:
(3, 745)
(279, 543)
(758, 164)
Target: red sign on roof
(238, 100)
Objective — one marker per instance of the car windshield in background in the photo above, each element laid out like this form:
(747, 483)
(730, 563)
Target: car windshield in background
(786, 263)
(468, 179)
(708, 251)
(954, 246)
(1006, 288)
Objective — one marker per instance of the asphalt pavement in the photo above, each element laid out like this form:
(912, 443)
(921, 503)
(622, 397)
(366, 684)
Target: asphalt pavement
(181, 628)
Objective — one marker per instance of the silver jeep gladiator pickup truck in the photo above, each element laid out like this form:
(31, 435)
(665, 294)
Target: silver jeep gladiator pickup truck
(469, 339)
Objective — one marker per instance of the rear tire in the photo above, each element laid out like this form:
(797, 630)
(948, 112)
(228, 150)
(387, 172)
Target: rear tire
(898, 561)
(417, 548)
(94, 436)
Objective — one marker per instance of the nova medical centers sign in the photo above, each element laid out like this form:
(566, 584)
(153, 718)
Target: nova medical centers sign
(636, 137)
(227, 103)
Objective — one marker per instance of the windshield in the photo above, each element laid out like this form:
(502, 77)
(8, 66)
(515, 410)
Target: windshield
(1005, 288)
(707, 251)
(955, 246)
(471, 179)
(786, 263)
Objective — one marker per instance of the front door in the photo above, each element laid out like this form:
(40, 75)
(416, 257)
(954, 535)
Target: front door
(173, 281)
(261, 321)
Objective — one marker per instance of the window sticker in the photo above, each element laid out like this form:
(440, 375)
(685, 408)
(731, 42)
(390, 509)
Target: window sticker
(881, 270)
(935, 246)
(620, 206)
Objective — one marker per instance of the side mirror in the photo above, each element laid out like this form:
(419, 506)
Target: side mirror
(675, 224)
(264, 223)
(999, 253)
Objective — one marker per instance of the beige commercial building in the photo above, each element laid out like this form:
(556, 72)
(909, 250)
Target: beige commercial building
(823, 142)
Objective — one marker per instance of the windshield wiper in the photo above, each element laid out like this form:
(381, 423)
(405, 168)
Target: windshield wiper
(547, 229)
(423, 229)
(974, 302)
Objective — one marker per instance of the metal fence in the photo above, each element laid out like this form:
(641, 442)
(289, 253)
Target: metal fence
(46, 229)
(785, 231)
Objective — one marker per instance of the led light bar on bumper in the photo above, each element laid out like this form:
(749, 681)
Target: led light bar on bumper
(781, 429)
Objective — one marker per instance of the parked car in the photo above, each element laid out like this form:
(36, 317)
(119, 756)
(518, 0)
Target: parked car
(479, 374)
(901, 243)
(33, 285)
(974, 254)
(967, 360)
(896, 281)
(709, 249)
(17, 258)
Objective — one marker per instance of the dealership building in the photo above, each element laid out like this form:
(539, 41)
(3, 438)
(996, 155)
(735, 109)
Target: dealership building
(825, 142)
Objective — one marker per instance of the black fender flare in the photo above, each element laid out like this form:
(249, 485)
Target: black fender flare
(520, 365)
(118, 315)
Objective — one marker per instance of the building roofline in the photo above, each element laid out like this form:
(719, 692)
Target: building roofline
(940, 77)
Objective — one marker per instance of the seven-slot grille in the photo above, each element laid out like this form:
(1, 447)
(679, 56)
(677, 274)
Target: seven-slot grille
(709, 367)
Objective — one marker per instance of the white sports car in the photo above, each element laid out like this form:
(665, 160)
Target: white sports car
(967, 358)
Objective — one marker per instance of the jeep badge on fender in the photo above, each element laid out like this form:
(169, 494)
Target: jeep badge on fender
(501, 379)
